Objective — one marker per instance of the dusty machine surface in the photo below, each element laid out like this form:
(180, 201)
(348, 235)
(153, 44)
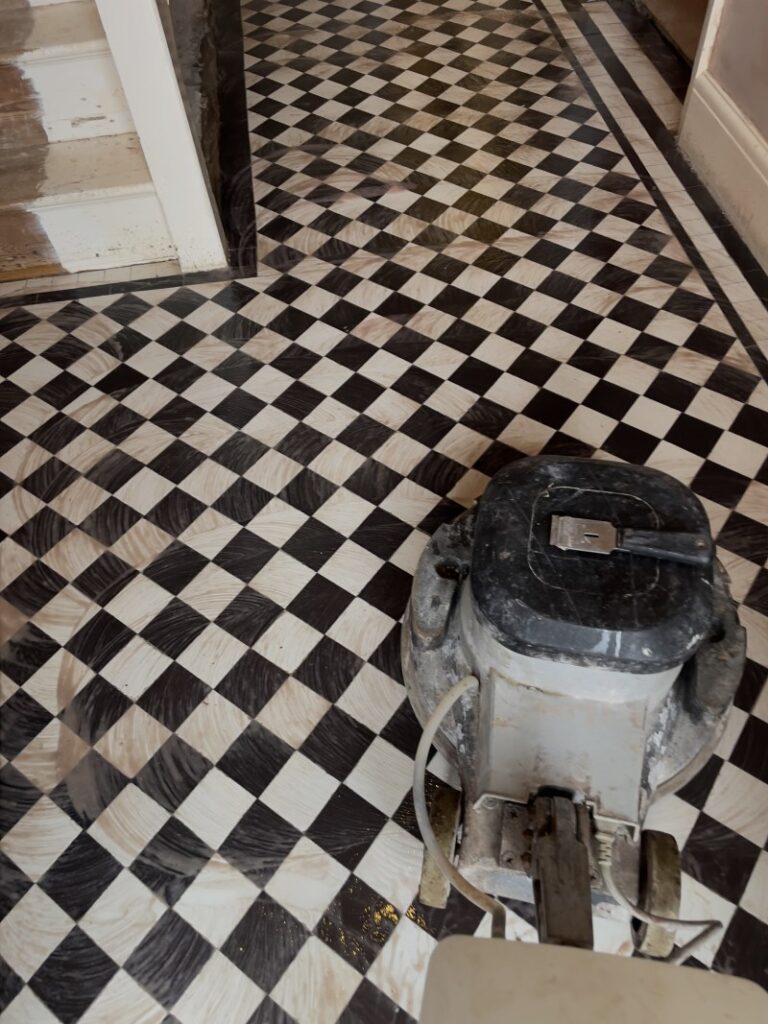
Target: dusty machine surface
(583, 603)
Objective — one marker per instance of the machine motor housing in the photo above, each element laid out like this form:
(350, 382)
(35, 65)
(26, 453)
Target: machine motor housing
(605, 675)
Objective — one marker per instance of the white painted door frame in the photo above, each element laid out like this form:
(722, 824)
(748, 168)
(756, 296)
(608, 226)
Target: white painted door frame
(725, 148)
(143, 59)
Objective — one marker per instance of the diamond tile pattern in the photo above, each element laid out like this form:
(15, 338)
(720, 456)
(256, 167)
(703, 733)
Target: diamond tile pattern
(217, 494)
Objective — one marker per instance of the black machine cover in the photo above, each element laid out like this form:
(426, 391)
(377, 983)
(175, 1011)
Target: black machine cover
(624, 611)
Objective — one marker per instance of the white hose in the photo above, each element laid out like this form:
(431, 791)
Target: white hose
(458, 881)
(683, 952)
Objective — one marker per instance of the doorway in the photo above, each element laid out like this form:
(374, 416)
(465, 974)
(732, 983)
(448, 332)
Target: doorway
(681, 21)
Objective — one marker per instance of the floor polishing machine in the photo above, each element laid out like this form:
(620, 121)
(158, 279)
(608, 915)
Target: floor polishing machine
(572, 648)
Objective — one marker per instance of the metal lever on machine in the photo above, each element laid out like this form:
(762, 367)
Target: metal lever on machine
(601, 538)
(560, 870)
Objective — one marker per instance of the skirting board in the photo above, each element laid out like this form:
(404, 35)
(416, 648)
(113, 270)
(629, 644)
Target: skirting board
(731, 158)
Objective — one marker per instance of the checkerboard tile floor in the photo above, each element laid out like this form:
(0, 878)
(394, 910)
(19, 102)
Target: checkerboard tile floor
(214, 497)
(374, 127)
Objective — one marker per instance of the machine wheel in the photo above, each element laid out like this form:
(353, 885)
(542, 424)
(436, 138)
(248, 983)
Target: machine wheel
(444, 811)
(659, 893)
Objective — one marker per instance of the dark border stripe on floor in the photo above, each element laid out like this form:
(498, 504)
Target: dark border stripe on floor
(667, 145)
(664, 56)
(120, 287)
(235, 170)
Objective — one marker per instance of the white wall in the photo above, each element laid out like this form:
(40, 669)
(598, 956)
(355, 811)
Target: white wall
(724, 130)
(739, 61)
